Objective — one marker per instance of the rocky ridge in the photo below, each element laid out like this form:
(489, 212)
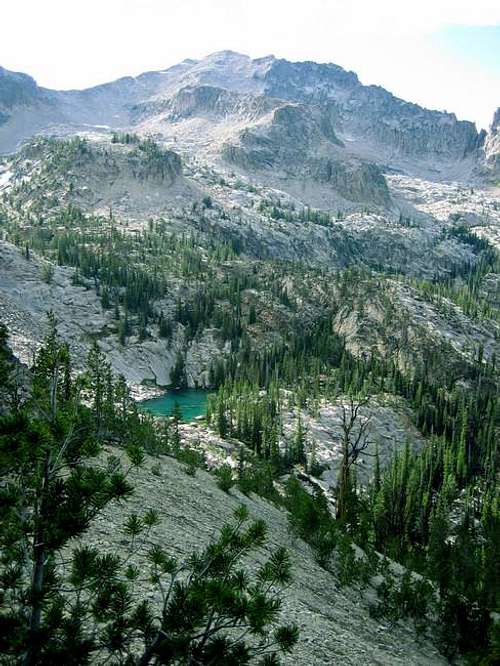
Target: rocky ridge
(369, 124)
(492, 145)
(101, 178)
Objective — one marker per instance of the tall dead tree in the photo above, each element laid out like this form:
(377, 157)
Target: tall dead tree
(355, 430)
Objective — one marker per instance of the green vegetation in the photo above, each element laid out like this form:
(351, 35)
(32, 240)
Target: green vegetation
(276, 327)
(125, 137)
(431, 511)
(279, 210)
(148, 160)
(464, 284)
(64, 601)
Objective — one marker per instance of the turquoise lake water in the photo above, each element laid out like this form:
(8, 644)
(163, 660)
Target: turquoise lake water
(192, 403)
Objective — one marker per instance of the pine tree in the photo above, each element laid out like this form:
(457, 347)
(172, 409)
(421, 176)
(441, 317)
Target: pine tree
(124, 328)
(98, 371)
(178, 372)
(66, 604)
(5, 368)
(222, 424)
(252, 315)
(439, 548)
(49, 494)
(299, 442)
(210, 596)
(376, 474)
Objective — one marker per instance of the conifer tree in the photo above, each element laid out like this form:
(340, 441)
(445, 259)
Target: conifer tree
(213, 609)
(299, 443)
(5, 369)
(64, 605)
(178, 373)
(48, 496)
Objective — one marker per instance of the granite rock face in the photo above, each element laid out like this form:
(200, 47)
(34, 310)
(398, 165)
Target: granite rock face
(25, 109)
(218, 103)
(25, 300)
(495, 125)
(369, 116)
(492, 146)
(297, 141)
(262, 98)
(16, 90)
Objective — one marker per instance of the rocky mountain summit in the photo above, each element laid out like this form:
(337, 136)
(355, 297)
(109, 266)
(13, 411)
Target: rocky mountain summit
(318, 121)
(492, 145)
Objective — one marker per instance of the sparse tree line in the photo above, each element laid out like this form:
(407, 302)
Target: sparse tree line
(405, 514)
(436, 512)
(134, 291)
(464, 283)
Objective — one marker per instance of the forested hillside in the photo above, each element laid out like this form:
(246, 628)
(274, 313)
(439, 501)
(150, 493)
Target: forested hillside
(339, 501)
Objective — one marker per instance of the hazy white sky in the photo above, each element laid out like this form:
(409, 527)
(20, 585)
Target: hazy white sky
(444, 54)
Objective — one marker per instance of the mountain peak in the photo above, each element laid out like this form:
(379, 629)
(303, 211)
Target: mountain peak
(495, 124)
(226, 54)
(16, 89)
(20, 76)
(368, 121)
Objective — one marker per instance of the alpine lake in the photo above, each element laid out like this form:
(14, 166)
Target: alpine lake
(191, 403)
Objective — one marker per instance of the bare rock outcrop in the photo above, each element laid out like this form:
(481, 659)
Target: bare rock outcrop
(370, 122)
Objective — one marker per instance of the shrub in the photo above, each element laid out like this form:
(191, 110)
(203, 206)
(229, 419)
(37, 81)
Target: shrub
(224, 476)
(48, 273)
